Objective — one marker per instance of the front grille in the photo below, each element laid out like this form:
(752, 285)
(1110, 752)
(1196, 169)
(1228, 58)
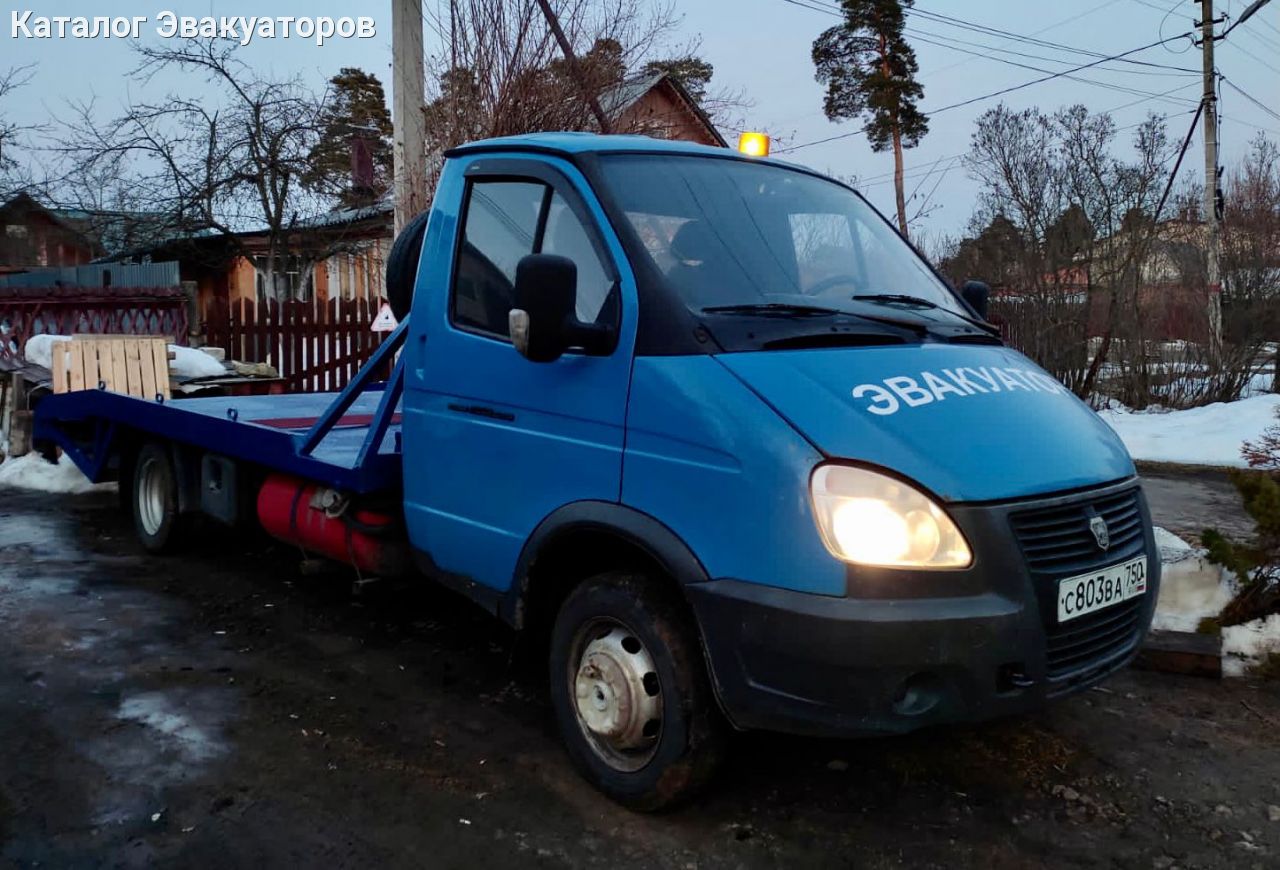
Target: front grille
(1092, 640)
(1058, 541)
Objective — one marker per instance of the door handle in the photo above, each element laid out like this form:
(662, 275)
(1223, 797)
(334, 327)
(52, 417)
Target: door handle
(419, 371)
(482, 411)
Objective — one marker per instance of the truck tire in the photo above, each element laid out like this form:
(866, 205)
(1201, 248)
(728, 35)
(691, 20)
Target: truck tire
(156, 519)
(631, 693)
(402, 265)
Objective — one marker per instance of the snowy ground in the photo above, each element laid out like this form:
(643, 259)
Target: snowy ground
(35, 473)
(1211, 435)
(1192, 589)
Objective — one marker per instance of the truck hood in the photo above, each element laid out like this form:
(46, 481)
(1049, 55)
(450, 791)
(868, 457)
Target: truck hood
(969, 423)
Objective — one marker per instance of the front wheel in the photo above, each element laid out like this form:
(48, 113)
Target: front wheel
(631, 693)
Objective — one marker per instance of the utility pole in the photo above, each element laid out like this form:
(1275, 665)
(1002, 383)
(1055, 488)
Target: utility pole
(576, 68)
(1212, 201)
(408, 102)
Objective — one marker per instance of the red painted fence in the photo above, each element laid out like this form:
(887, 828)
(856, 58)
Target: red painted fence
(316, 346)
(28, 311)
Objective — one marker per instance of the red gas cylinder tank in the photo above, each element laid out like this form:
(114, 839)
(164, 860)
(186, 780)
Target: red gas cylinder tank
(324, 521)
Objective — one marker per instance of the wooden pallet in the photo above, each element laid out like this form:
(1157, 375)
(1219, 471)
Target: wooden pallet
(135, 366)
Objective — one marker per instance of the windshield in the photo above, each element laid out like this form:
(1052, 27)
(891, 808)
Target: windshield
(731, 233)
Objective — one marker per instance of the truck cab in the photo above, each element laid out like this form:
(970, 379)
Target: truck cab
(715, 433)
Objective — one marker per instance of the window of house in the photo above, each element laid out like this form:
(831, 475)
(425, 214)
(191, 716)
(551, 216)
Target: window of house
(287, 278)
(505, 221)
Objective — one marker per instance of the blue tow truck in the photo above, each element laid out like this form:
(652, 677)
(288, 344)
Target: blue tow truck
(711, 434)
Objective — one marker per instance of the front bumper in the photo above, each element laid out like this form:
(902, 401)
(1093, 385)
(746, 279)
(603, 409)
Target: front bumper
(908, 649)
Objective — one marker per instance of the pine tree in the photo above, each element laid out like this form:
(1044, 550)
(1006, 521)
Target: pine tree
(357, 136)
(693, 73)
(869, 70)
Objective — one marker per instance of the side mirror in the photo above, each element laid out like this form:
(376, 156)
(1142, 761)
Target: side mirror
(978, 295)
(544, 321)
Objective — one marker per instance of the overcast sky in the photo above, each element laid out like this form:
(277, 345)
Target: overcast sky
(761, 47)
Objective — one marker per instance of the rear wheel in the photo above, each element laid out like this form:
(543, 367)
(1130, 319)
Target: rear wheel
(154, 495)
(631, 692)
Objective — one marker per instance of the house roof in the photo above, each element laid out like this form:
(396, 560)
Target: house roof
(27, 201)
(105, 230)
(383, 206)
(617, 100)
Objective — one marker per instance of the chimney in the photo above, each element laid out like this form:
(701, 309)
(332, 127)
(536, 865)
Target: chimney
(361, 168)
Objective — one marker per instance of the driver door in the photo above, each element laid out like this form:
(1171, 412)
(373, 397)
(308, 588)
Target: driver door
(494, 443)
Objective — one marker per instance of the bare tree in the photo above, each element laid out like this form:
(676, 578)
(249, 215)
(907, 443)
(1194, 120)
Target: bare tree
(13, 175)
(1251, 253)
(226, 165)
(501, 71)
(1077, 220)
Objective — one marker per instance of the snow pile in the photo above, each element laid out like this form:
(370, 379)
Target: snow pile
(1211, 435)
(34, 472)
(1191, 588)
(1171, 547)
(39, 349)
(192, 363)
(188, 362)
(1248, 645)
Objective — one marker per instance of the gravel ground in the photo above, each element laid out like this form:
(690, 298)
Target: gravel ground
(223, 709)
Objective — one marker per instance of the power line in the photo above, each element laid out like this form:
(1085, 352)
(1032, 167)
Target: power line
(1258, 39)
(995, 31)
(1151, 5)
(886, 177)
(922, 34)
(1108, 85)
(1261, 105)
(951, 21)
(933, 72)
(1046, 29)
(1249, 53)
(998, 93)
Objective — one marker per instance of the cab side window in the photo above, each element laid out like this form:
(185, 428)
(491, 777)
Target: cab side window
(506, 220)
(565, 235)
(501, 227)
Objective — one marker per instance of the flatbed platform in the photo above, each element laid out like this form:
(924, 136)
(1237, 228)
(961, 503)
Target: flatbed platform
(348, 440)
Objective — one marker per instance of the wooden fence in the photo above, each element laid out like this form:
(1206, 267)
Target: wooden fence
(316, 346)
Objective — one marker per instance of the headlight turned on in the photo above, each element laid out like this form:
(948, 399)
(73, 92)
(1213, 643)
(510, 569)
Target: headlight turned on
(872, 519)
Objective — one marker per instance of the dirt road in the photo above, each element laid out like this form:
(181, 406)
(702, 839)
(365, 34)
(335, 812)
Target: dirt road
(223, 710)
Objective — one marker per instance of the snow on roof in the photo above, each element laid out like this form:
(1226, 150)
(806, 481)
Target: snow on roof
(621, 97)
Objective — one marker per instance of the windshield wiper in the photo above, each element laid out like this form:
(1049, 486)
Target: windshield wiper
(773, 309)
(897, 297)
(787, 309)
(921, 302)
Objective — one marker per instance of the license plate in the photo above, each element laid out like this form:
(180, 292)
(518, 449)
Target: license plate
(1092, 592)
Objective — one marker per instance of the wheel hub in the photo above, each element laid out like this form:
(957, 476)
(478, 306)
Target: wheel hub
(617, 692)
(151, 497)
